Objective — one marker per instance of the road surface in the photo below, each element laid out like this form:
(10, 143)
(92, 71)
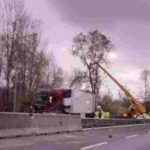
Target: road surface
(97, 139)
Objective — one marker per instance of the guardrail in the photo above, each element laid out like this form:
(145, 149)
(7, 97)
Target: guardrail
(91, 122)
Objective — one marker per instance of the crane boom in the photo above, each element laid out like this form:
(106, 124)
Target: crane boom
(132, 99)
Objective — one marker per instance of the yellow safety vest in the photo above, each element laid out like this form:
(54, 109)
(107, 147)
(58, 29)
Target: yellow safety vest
(144, 115)
(106, 114)
(96, 113)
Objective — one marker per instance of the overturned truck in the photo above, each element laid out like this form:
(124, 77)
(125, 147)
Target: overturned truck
(63, 101)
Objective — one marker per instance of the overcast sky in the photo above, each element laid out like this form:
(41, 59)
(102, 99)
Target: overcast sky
(126, 22)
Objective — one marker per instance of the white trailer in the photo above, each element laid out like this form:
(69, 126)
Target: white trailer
(81, 102)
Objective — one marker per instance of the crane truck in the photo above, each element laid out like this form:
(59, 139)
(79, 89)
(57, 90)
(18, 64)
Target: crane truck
(136, 108)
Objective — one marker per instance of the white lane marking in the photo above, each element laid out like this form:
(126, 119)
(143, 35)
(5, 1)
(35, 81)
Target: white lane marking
(92, 146)
(131, 136)
(71, 136)
(148, 132)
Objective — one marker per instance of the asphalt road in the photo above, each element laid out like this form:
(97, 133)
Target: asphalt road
(98, 139)
(133, 142)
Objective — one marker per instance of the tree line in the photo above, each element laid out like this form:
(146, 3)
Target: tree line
(24, 65)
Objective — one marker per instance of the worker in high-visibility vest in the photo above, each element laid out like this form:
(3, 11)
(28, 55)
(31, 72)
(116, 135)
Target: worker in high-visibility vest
(106, 115)
(98, 112)
(145, 116)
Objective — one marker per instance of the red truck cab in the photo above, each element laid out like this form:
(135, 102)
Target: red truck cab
(50, 100)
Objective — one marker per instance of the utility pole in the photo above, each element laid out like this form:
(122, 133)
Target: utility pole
(15, 84)
(15, 87)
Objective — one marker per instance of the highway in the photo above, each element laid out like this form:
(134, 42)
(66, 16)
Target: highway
(95, 139)
(132, 142)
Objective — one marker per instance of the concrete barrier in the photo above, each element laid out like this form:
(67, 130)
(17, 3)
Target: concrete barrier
(21, 124)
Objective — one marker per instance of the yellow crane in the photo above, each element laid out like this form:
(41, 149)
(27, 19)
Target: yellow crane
(136, 107)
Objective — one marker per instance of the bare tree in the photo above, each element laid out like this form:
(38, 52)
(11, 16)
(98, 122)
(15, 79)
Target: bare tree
(90, 48)
(22, 61)
(10, 21)
(145, 88)
(54, 75)
(76, 79)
